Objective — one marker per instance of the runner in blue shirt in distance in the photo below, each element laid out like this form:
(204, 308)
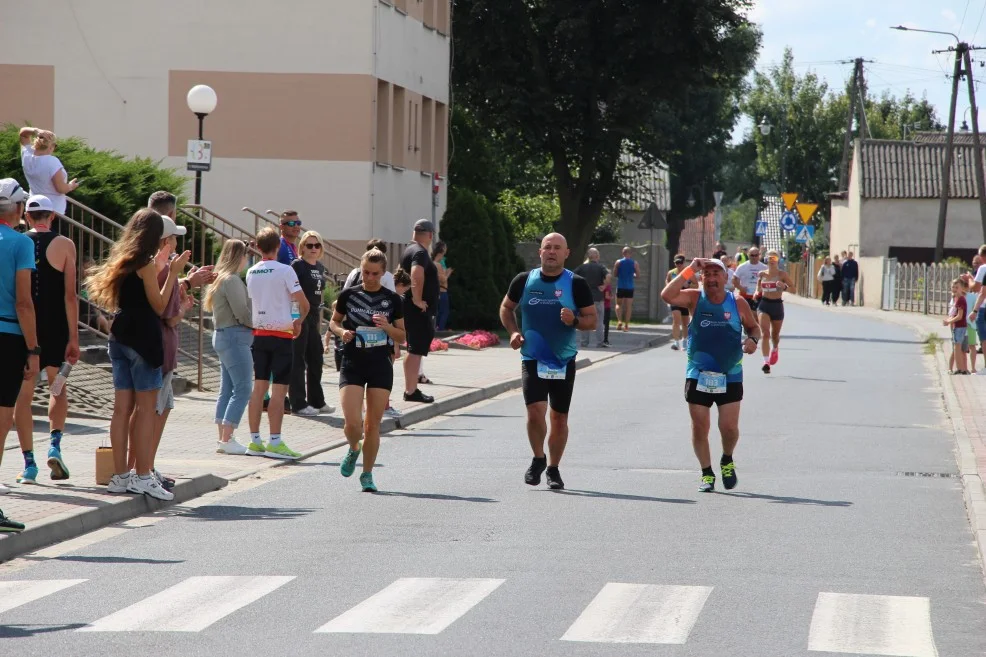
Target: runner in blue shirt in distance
(626, 270)
(554, 303)
(714, 373)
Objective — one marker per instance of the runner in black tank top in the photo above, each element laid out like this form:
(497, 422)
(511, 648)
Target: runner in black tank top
(49, 308)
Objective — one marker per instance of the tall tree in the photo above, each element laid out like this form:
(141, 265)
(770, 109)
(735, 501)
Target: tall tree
(583, 82)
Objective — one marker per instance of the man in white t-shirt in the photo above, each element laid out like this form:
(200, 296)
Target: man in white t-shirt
(44, 172)
(386, 281)
(273, 289)
(745, 277)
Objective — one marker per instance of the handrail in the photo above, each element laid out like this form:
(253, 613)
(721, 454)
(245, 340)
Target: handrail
(274, 213)
(257, 218)
(98, 215)
(249, 242)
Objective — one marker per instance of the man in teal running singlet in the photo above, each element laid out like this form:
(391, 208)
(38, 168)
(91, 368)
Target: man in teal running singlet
(714, 373)
(554, 303)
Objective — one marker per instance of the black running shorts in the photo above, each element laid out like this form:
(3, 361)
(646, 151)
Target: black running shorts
(272, 357)
(366, 373)
(557, 392)
(420, 327)
(733, 394)
(12, 365)
(753, 303)
(624, 294)
(680, 309)
(773, 308)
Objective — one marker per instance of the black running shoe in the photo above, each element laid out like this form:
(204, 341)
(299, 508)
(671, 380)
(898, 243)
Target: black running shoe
(554, 478)
(729, 479)
(533, 475)
(9, 526)
(418, 396)
(766, 368)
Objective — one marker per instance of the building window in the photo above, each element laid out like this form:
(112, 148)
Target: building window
(427, 134)
(399, 141)
(383, 122)
(441, 137)
(442, 16)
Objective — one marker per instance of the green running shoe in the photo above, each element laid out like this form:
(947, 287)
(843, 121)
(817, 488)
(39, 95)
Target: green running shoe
(9, 526)
(708, 484)
(348, 465)
(281, 451)
(255, 449)
(366, 481)
(729, 479)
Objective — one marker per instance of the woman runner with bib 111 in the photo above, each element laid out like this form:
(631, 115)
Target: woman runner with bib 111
(771, 284)
(369, 319)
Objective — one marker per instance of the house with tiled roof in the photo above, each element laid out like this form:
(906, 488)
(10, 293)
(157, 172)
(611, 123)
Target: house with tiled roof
(891, 206)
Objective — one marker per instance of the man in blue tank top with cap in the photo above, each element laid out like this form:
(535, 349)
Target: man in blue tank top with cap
(554, 304)
(714, 373)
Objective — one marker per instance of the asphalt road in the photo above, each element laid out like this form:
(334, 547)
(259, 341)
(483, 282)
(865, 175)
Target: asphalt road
(828, 545)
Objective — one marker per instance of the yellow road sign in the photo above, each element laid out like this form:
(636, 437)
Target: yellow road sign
(807, 210)
(790, 198)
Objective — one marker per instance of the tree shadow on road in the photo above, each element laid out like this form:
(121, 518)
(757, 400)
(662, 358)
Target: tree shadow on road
(788, 500)
(843, 338)
(227, 513)
(437, 496)
(152, 562)
(808, 378)
(25, 631)
(616, 496)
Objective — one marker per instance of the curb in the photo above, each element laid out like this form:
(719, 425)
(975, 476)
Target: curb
(81, 521)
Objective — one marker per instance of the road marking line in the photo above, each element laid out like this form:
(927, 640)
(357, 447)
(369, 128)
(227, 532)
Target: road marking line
(15, 593)
(190, 606)
(640, 613)
(414, 605)
(872, 625)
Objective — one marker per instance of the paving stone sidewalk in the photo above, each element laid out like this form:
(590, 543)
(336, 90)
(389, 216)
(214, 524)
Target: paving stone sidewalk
(55, 511)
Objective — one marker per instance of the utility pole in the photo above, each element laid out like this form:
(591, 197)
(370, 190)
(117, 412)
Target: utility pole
(857, 110)
(976, 142)
(946, 171)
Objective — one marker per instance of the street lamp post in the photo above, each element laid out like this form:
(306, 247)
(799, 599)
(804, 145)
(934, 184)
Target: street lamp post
(765, 129)
(201, 101)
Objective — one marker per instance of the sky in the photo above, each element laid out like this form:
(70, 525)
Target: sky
(823, 32)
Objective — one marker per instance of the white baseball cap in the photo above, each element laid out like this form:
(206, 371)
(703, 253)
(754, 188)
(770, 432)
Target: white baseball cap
(717, 263)
(39, 202)
(11, 192)
(171, 228)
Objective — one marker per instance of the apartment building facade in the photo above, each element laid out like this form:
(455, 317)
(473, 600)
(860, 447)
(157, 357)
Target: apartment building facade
(336, 108)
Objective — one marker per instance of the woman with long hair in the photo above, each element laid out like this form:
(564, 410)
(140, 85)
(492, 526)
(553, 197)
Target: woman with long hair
(229, 303)
(771, 284)
(305, 392)
(127, 284)
(438, 252)
(44, 172)
(369, 319)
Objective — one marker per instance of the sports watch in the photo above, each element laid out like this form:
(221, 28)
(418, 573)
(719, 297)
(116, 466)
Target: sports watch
(34, 352)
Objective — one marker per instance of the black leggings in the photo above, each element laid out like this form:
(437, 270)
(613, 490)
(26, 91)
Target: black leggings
(306, 371)
(606, 316)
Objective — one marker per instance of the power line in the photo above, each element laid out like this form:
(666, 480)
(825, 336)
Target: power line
(981, 14)
(967, 2)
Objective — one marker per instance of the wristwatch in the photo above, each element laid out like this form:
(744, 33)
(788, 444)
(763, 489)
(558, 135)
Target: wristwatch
(188, 285)
(34, 352)
(755, 340)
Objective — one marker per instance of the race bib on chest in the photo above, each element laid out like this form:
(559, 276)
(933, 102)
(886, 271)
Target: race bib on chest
(372, 336)
(551, 373)
(713, 383)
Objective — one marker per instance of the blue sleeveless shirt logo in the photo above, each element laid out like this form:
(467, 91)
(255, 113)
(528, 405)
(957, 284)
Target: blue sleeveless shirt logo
(546, 339)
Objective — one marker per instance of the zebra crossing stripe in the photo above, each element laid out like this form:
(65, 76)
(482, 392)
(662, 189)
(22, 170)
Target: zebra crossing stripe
(15, 593)
(640, 613)
(189, 606)
(872, 625)
(414, 605)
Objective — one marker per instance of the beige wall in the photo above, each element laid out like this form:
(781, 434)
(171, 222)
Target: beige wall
(307, 116)
(869, 287)
(906, 222)
(844, 226)
(33, 98)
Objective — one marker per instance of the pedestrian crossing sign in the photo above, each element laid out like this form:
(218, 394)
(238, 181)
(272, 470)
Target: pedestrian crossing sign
(761, 229)
(804, 234)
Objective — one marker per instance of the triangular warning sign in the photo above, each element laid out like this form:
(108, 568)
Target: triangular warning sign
(790, 198)
(807, 210)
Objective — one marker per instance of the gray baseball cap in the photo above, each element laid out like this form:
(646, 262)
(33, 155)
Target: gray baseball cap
(423, 226)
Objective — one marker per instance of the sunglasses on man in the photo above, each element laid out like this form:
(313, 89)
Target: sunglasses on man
(294, 223)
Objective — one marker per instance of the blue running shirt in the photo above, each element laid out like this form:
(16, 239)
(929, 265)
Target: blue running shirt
(624, 277)
(16, 253)
(715, 340)
(546, 339)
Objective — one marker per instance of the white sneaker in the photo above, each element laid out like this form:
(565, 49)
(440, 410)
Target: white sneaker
(674, 345)
(4, 490)
(118, 483)
(328, 408)
(231, 447)
(150, 486)
(393, 413)
(307, 411)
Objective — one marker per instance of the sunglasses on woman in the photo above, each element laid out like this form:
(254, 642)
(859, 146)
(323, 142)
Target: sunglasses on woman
(294, 223)
(313, 245)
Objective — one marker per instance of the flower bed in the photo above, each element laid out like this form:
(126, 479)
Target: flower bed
(478, 340)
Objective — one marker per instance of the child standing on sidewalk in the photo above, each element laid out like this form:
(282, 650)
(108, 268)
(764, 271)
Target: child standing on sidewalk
(958, 309)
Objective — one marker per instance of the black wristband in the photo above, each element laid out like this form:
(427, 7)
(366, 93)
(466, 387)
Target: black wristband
(755, 340)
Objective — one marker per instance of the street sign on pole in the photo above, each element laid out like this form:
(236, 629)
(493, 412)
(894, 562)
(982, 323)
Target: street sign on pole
(761, 229)
(807, 210)
(199, 155)
(789, 221)
(718, 197)
(790, 198)
(804, 234)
